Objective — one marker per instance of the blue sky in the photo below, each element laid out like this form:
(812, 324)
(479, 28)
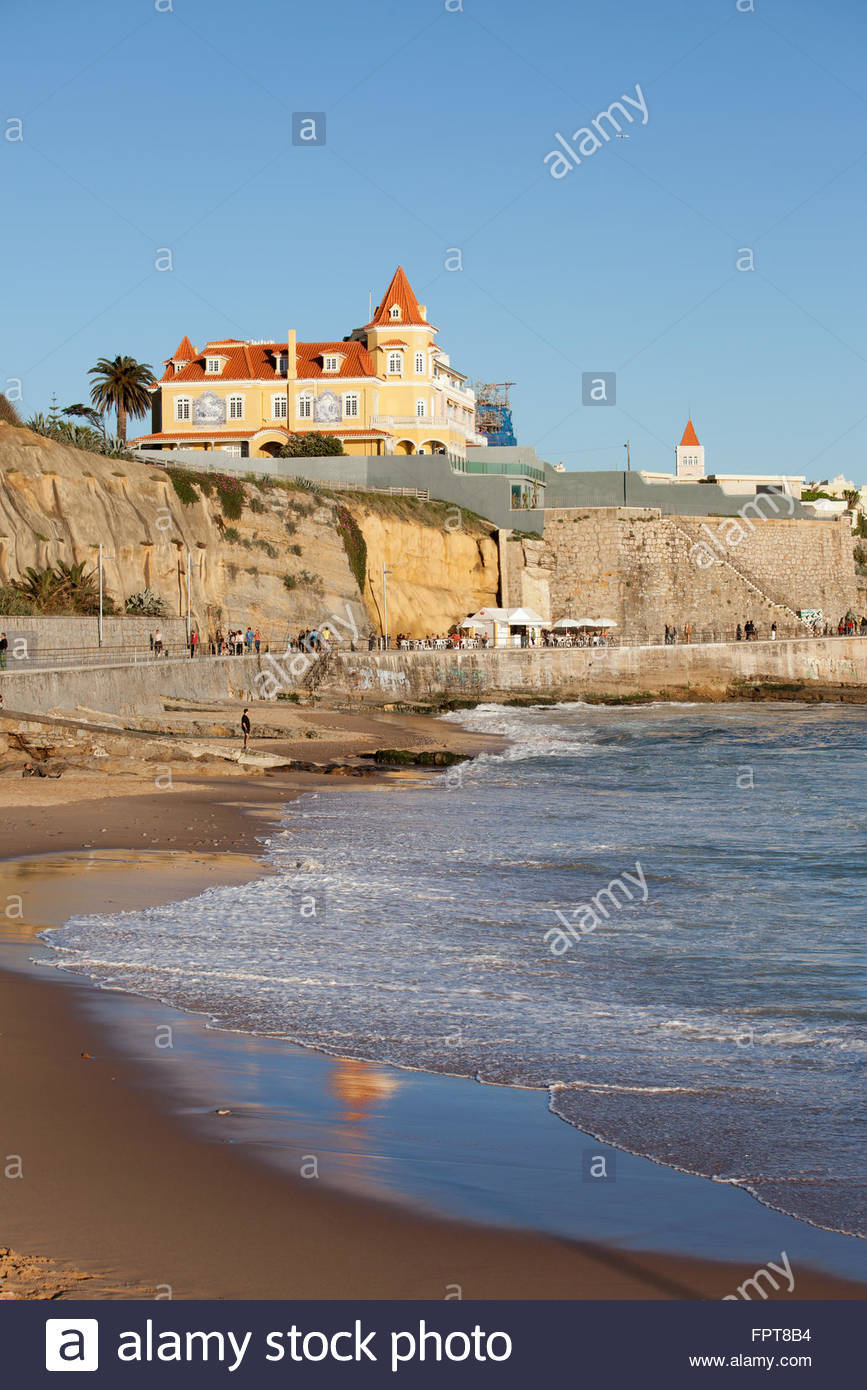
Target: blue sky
(147, 128)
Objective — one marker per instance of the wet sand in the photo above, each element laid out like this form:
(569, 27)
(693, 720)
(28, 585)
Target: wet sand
(124, 1197)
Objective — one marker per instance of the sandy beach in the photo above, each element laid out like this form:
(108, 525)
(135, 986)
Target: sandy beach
(123, 1197)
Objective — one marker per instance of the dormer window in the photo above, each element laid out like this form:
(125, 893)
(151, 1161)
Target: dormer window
(282, 363)
(394, 312)
(331, 363)
(179, 367)
(212, 365)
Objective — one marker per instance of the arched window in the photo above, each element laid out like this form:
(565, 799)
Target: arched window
(419, 362)
(183, 408)
(305, 407)
(236, 407)
(351, 405)
(395, 363)
(278, 407)
(420, 409)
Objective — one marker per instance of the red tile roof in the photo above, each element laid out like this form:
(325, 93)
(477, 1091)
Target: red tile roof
(689, 435)
(393, 342)
(185, 352)
(399, 292)
(256, 361)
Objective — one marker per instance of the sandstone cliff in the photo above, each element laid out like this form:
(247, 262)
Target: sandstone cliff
(281, 565)
(441, 570)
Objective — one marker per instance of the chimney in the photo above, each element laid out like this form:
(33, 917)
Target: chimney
(291, 350)
(422, 308)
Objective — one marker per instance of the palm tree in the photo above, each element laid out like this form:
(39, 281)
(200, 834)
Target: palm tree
(121, 383)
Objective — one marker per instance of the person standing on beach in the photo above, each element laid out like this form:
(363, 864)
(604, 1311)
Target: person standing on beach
(245, 727)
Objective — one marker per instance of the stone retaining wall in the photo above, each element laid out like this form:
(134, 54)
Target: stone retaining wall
(574, 671)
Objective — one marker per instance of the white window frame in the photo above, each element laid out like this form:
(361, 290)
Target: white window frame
(351, 406)
(212, 366)
(234, 450)
(331, 362)
(419, 363)
(282, 363)
(395, 356)
(187, 413)
(394, 313)
(421, 409)
(304, 406)
(279, 407)
(231, 412)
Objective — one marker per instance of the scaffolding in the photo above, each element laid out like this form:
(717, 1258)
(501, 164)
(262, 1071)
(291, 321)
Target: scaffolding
(494, 412)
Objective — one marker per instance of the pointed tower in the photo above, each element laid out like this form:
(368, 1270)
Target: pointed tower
(184, 353)
(399, 306)
(690, 454)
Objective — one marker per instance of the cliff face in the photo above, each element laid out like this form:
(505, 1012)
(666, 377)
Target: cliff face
(439, 572)
(58, 503)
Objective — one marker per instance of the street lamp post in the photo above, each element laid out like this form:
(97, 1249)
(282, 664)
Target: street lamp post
(189, 595)
(102, 556)
(385, 574)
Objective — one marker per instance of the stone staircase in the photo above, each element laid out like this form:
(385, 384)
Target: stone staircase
(783, 614)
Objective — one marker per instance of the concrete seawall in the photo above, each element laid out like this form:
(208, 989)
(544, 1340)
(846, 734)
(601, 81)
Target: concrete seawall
(710, 669)
(382, 677)
(129, 689)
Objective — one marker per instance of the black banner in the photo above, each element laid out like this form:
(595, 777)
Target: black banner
(431, 1344)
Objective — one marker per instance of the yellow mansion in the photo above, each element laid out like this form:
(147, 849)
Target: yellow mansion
(385, 389)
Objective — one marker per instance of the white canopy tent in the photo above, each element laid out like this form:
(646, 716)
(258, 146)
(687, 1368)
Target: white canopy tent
(497, 623)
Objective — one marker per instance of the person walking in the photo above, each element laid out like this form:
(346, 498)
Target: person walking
(194, 643)
(687, 634)
(245, 727)
(158, 641)
(773, 632)
(257, 641)
(4, 647)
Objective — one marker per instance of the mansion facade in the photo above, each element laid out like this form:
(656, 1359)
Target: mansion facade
(385, 389)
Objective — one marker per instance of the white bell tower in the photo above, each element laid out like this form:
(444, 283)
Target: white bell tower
(690, 454)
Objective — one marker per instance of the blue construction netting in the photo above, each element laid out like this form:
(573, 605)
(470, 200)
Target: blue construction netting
(504, 436)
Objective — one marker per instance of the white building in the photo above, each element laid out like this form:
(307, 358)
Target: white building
(690, 468)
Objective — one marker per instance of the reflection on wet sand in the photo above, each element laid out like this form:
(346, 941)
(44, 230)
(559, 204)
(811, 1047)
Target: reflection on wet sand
(43, 890)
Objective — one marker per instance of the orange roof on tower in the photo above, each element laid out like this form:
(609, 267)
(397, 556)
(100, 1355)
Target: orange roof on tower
(689, 435)
(185, 352)
(400, 293)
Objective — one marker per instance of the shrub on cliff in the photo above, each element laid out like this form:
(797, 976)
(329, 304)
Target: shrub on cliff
(144, 604)
(79, 437)
(184, 484)
(62, 588)
(8, 414)
(231, 494)
(354, 544)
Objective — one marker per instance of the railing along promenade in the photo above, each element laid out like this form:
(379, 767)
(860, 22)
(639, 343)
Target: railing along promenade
(77, 658)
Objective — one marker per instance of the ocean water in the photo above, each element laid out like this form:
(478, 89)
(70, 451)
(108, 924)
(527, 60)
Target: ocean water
(656, 913)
